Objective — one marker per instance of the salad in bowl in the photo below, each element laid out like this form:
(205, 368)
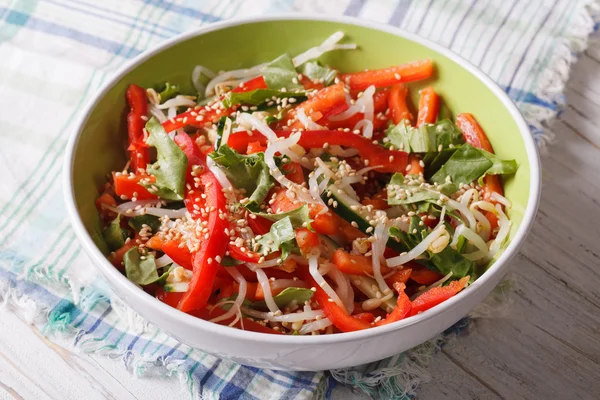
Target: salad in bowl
(290, 198)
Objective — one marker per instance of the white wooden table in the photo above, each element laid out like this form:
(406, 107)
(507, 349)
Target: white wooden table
(547, 346)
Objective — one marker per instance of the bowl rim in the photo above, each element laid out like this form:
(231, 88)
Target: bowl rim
(115, 278)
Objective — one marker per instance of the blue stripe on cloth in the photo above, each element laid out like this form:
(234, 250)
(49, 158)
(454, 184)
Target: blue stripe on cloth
(461, 23)
(528, 97)
(21, 19)
(182, 10)
(297, 378)
(112, 19)
(208, 374)
(533, 38)
(424, 16)
(354, 8)
(400, 12)
(116, 12)
(236, 387)
(495, 35)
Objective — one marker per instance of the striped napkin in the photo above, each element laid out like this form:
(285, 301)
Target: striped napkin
(55, 55)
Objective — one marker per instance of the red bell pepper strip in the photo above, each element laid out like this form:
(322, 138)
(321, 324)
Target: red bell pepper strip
(402, 275)
(246, 256)
(259, 225)
(130, 187)
(309, 84)
(198, 117)
(293, 171)
(170, 298)
(397, 103)
(437, 295)
(380, 78)
(423, 275)
(138, 103)
(180, 254)
(376, 155)
(239, 141)
(204, 261)
(429, 106)
(476, 137)
(252, 84)
(348, 323)
(116, 257)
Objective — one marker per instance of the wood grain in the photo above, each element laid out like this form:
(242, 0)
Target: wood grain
(548, 347)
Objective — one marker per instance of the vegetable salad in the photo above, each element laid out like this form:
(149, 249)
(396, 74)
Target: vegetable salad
(292, 198)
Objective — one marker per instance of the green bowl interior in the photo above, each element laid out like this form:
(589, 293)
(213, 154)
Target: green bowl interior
(100, 148)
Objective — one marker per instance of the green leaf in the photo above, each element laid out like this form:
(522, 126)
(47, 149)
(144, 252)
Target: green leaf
(228, 261)
(114, 235)
(151, 220)
(450, 260)
(444, 262)
(248, 172)
(314, 71)
(280, 237)
(259, 96)
(468, 164)
(142, 272)
(280, 73)
(170, 167)
(168, 92)
(426, 138)
(300, 295)
(401, 192)
(298, 217)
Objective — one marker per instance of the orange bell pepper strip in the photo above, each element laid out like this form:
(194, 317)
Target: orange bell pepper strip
(397, 103)
(429, 106)
(130, 187)
(255, 147)
(306, 240)
(414, 71)
(327, 101)
(155, 243)
(138, 103)
(476, 137)
(415, 165)
(380, 103)
(355, 264)
(437, 295)
(179, 254)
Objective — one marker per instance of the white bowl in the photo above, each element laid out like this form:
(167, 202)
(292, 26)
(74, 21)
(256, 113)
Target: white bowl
(83, 174)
